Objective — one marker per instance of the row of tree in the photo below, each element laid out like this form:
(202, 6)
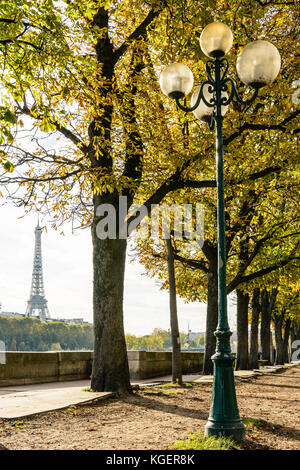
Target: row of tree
(87, 73)
(160, 340)
(30, 334)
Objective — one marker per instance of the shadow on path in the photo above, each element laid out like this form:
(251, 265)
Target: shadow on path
(263, 384)
(260, 397)
(150, 403)
(280, 430)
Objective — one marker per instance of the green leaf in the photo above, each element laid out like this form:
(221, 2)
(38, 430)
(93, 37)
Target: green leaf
(10, 117)
(8, 135)
(47, 126)
(8, 166)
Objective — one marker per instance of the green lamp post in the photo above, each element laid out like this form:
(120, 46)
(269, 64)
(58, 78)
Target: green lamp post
(257, 65)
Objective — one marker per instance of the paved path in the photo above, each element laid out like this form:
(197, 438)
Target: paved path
(26, 400)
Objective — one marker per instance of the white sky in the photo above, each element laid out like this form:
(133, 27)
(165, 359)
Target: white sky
(67, 262)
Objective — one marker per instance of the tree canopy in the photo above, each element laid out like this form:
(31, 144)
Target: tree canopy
(83, 122)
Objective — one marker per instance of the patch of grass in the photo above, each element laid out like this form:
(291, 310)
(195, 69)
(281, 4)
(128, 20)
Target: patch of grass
(197, 441)
(172, 385)
(72, 409)
(254, 428)
(151, 391)
(148, 391)
(171, 392)
(19, 424)
(166, 389)
(5, 427)
(253, 424)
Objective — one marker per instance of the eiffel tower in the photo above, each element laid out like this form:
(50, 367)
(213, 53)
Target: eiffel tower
(37, 304)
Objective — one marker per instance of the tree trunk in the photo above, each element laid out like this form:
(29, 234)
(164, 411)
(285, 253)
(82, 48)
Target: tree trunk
(295, 341)
(211, 321)
(255, 307)
(176, 350)
(272, 349)
(265, 328)
(295, 331)
(110, 364)
(287, 329)
(278, 319)
(242, 359)
(267, 305)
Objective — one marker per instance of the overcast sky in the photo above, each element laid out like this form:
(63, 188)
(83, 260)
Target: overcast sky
(67, 262)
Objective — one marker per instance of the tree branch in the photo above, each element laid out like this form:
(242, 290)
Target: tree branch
(192, 263)
(197, 184)
(262, 272)
(62, 129)
(261, 127)
(134, 143)
(139, 33)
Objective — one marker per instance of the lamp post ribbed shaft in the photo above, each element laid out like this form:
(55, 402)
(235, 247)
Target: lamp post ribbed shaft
(224, 416)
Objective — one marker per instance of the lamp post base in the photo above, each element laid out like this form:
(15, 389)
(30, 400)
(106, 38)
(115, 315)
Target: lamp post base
(233, 430)
(224, 419)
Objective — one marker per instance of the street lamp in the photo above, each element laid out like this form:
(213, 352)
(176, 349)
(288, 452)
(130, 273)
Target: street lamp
(257, 65)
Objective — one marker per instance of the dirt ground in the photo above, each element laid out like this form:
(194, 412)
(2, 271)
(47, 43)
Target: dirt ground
(154, 421)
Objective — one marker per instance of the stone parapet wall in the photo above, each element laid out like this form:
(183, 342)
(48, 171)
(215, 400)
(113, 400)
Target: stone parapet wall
(22, 368)
(147, 364)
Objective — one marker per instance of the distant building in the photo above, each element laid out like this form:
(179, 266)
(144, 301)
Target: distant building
(75, 321)
(69, 321)
(194, 335)
(66, 321)
(37, 305)
(12, 314)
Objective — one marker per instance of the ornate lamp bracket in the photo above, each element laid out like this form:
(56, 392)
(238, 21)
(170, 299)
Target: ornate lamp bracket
(217, 83)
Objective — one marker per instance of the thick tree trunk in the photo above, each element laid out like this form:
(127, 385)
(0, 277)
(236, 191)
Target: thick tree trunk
(211, 321)
(242, 359)
(110, 365)
(255, 307)
(267, 305)
(176, 350)
(286, 336)
(295, 341)
(272, 348)
(265, 328)
(278, 319)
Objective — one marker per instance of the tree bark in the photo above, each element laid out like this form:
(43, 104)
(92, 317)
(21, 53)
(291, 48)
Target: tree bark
(278, 320)
(211, 320)
(272, 348)
(242, 359)
(176, 350)
(110, 371)
(286, 336)
(255, 308)
(295, 338)
(267, 305)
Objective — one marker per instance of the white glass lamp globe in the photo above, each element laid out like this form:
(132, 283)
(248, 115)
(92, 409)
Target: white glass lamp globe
(176, 80)
(258, 63)
(204, 112)
(216, 40)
